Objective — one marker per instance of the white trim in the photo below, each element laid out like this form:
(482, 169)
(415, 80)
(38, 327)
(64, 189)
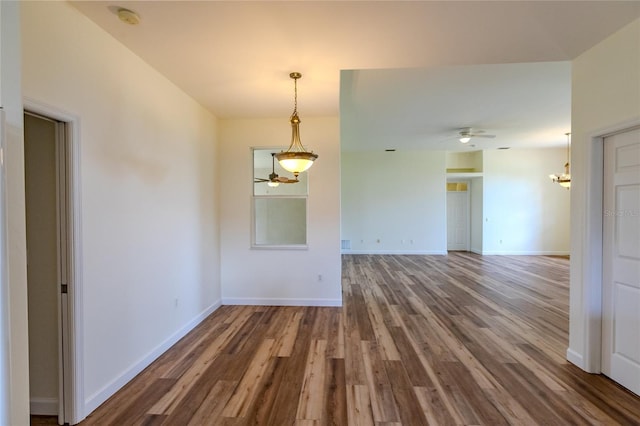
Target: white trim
(485, 253)
(43, 406)
(592, 246)
(469, 212)
(575, 358)
(253, 244)
(74, 403)
(464, 175)
(525, 253)
(5, 332)
(409, 252)
(280, 302)
(95, 400)
(441, 253)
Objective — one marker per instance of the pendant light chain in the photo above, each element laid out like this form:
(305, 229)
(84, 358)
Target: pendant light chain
(295, 95)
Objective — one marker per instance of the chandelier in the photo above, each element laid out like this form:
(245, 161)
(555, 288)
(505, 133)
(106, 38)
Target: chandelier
(296, 158)
(564, 179)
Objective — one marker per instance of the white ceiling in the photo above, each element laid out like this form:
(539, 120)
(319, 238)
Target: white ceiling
(521, 104)
(412, 72)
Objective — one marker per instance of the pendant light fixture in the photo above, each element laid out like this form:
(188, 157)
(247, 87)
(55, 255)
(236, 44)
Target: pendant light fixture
(296, 158)
(564, 179)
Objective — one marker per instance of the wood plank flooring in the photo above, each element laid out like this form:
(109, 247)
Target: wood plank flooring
(441, 340)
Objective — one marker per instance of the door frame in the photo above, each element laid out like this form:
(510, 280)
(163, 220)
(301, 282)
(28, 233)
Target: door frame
(608, 328)
(5, 332)
(468, 196)
(72, 379)
(591, 268)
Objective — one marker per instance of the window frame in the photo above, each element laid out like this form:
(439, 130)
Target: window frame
(255, 196)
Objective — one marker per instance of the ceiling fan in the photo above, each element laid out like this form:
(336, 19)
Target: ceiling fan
(466, 133)
(275, 180)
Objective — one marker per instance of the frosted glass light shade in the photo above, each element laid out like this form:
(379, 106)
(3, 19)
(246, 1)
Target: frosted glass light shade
(296, 159)
(296, 162)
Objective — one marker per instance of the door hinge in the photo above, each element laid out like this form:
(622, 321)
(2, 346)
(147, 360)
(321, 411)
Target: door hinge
(64, 288)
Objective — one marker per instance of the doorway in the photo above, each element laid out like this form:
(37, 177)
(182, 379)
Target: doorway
(621, 259)
(458, 216)
(48, 269)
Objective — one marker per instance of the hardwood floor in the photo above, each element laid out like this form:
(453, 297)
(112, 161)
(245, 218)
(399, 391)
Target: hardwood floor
(459, 339)
(43, 420)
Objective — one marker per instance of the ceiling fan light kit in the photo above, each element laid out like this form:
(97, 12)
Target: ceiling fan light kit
(466, 133)
(274, 180)
(564, 179)
(296, 159)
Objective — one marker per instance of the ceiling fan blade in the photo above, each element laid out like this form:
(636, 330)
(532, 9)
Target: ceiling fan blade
(483, 136)
(286, 180)
(260, 180)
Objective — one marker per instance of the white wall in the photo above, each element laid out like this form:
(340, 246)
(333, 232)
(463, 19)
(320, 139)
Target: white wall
(396, 198)
(14, 393)
(524, 212)
(281, 277)
(465, 160)
(148, 192)
(605, 98)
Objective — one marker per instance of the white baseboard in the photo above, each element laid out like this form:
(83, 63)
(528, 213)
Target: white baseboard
(441, 253)
(525, 253)
(280, 302)
(403, 252)
(575, 358)
(107, 391)
(43, 406)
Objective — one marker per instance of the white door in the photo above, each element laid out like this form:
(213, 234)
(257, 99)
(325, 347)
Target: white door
(458, 220)
(621, 260)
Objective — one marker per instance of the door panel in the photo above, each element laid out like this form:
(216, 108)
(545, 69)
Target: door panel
(621, 260)
(457, 221)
